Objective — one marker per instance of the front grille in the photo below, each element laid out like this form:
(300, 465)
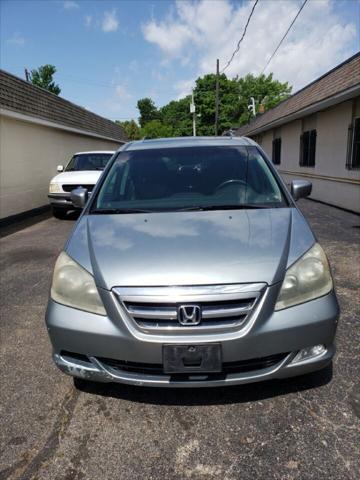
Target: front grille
(70, 188)
(223, 314)
(242, 366)
(156, 309)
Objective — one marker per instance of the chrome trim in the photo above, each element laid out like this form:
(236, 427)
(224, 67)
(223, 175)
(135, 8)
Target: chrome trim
(187, 294)
(178, 328)
(169, 313)
(226, 312)
(143, 312)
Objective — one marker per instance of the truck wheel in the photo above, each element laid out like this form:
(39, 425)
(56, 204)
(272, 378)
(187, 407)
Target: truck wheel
(59, 213)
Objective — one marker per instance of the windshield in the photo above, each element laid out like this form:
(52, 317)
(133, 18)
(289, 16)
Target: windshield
(188, 178)
(88, 161)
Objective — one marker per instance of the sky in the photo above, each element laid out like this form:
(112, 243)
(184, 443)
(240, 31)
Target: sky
(108, 54)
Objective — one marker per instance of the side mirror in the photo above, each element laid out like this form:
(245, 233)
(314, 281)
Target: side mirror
(300, 189)
(60, 168)
(79, 197)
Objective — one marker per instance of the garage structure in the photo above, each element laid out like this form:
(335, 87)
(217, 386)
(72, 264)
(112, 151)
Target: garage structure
(38, 131)
(315, 135)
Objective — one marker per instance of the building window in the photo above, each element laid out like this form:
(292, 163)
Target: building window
(353, 157)
(307, 148)
(276, 151)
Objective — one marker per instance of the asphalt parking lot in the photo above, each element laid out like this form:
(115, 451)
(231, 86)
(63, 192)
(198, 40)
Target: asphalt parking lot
(305, 428)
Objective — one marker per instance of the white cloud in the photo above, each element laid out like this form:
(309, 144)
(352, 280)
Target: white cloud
(88, 20)
(70, 5)
(17, 40)
(200, 32)
(110, 23)
(184, 87)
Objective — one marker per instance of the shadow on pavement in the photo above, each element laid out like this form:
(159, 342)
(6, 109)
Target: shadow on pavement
(207, 396)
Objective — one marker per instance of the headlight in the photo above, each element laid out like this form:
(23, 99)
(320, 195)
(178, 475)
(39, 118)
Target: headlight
(72, 285)
(306, 279)
(55, 188)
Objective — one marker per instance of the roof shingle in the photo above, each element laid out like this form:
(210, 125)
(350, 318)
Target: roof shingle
(23, 97)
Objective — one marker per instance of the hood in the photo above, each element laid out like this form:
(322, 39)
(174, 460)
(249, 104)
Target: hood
(87, 177)
(190, 248)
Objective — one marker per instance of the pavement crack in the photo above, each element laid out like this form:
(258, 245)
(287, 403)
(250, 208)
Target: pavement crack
(52, 442)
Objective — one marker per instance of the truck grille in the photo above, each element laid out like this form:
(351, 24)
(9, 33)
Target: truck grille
(70, 188)
(222, 307)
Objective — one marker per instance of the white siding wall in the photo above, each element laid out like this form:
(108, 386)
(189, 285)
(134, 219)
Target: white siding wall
(29, 154)
(331, 150)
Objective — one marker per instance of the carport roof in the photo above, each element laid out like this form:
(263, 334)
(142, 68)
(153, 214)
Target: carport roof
(339, 84)
(22, 97)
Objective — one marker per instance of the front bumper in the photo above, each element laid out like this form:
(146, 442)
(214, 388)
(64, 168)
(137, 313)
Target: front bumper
(90, 338)
(60, 200)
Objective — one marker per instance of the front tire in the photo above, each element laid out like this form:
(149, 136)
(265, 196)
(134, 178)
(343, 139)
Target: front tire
(59, 213)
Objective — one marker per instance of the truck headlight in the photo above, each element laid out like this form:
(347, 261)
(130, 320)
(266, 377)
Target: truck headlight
(55, 188)
(73, 286)
(308, 278)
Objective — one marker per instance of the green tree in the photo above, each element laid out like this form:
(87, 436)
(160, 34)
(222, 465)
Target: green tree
(177, 114)
(156, 129)
(265, 90)
(131, 128)
(229, 109)
(148, 111)
(43, 77)
(234, 98)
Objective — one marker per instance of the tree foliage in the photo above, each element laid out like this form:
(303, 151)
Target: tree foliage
(156, 129)
(131, 129)
(148, 111)
(43, 77)
(174, 119)
(265, 90)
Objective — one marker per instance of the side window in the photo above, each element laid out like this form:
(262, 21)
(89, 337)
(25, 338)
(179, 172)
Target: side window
(353, 157)
(307, 148)
(276, 151)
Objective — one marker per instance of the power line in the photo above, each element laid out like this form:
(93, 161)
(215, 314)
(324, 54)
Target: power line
(241, 39)
(283, 38)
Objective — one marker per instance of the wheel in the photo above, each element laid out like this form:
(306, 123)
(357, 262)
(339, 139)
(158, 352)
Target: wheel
(59, 213)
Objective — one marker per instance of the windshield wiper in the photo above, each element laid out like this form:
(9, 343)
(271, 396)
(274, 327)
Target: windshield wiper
(244, 206)
(104, 211)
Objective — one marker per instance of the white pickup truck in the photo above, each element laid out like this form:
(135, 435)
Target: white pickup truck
(83, 170)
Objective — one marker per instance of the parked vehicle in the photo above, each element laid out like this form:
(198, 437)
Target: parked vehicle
(191, 266)
(84, 169)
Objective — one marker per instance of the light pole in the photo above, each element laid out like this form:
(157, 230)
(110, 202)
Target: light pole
(193, 111)
(252, 107)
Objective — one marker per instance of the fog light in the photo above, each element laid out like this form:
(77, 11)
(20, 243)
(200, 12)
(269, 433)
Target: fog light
(309, 352)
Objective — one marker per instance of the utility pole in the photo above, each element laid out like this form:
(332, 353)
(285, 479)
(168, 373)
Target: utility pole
(217, 98)
(193, 111)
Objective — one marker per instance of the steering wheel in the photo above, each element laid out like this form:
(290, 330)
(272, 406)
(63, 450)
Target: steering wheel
(230, 182)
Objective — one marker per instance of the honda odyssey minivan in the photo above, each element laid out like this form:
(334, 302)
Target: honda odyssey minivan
(191, 266)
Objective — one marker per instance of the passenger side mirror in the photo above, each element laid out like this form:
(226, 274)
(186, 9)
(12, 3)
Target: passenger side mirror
(79, 197)
(300, 189)
(60, 168)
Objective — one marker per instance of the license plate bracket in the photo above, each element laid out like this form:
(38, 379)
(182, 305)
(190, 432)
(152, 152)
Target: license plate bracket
(192, 358)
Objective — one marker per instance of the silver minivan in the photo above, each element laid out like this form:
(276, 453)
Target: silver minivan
(191, 266)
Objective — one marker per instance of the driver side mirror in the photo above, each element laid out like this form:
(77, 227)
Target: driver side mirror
(79, 197)
(300, 189)
(60, 168)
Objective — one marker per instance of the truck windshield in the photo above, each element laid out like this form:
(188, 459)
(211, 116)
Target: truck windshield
(88, 161)
(188, 178)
